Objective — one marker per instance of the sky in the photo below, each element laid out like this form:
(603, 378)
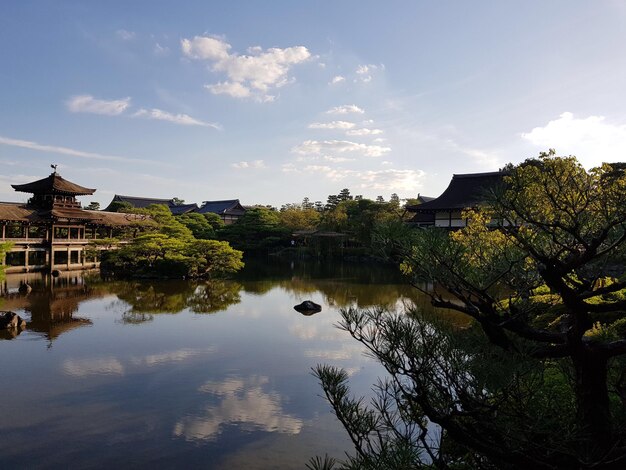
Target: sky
(271, 102)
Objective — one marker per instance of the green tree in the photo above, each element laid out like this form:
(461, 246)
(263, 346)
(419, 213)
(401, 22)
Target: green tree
(120, 206)
(93, 206)
(299, 219)
(258, 230)
(543, 384)
(214, 220)
(214, 258)
(198, 224)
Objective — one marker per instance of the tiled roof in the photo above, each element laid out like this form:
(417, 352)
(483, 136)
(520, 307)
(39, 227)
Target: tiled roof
(140, 202)
(230, 207)
(464, 191)
(53, 184)
(22, 213)
(183, 208)
(143, 202)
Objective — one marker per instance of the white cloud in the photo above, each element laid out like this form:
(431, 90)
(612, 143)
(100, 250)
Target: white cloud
(234, 89)
(332, 125)
(364, 131)
(252, 164)
(592, 139)
(160, 51)
(64, 150)
(125, 35)
(182, 119)
(380, 180)
(337, 79)
(206, 48)
(257, 72)
(364, 72)
(341, 146)
(330, 158)
(89, 104)
(345, 109)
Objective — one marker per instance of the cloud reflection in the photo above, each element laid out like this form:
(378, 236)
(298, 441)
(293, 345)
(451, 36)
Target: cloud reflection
(94, 366)
(242, 401)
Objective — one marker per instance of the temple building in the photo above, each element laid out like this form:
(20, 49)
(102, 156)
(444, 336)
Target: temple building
(143, 202)
(52, 232)
(229, 210)
(465, 191)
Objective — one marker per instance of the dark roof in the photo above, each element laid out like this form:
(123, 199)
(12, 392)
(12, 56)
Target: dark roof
(464, 191)
(23, 213)
(53, 184)
(183, 208)
(139, 202)
(143, 202)
(423, 199)
(228, 207)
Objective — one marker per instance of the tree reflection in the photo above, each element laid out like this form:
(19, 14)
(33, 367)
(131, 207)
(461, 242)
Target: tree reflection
(153, 297)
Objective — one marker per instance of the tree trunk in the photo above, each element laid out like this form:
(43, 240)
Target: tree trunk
(592, 403)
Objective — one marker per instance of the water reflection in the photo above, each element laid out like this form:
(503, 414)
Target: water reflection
(141, 373)
(51, 303)
(242, 402)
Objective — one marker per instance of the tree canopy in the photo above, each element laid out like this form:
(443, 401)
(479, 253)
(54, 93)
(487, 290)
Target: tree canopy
(540, 380)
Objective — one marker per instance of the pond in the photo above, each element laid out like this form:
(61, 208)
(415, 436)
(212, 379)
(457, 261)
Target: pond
(163, 374)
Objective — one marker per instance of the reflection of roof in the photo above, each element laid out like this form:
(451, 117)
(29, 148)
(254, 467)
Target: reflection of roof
(230, 207)
(143, 202)
(464, 191)
(22, 213)
(53, 184)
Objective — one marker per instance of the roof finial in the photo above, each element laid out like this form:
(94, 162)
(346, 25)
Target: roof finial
(54, 166)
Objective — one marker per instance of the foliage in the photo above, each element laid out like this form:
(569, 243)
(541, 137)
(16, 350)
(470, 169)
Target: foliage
(4, 249)
(258, 230)
(93, 206)
(171, 251)
(199, 225)
(120, 206)
(299, 218)
(539, 381)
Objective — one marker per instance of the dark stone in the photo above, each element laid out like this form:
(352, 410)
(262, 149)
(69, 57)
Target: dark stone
(25, 289)
(9, 320)
(55, 273)
(308, 307)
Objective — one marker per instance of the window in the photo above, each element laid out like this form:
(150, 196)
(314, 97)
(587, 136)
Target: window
(16, 258)
(36, 258)
(75, 257)
(60, 257)
(14, 230)
(61, 232)
(37, 231)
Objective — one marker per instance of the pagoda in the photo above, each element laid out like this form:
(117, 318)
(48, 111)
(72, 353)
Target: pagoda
(52, 232)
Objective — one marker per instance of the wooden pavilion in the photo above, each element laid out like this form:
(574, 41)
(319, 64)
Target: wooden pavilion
(52, 232)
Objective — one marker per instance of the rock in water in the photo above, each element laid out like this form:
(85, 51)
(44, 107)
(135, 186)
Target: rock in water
(25, 289)
(308, 307)
(10, 320)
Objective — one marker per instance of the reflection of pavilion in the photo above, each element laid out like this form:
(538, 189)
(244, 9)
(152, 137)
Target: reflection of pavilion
(51, 303)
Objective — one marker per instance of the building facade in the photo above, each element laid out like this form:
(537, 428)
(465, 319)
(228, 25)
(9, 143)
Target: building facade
(465, 191)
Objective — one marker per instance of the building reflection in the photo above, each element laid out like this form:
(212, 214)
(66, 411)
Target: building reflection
(51, 302)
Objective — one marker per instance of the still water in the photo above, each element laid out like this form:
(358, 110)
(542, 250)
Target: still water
(182, 374)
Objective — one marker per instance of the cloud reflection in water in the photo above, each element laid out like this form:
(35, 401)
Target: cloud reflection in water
(242, 401)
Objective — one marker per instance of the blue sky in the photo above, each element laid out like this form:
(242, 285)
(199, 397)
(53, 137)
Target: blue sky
(270, 102)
